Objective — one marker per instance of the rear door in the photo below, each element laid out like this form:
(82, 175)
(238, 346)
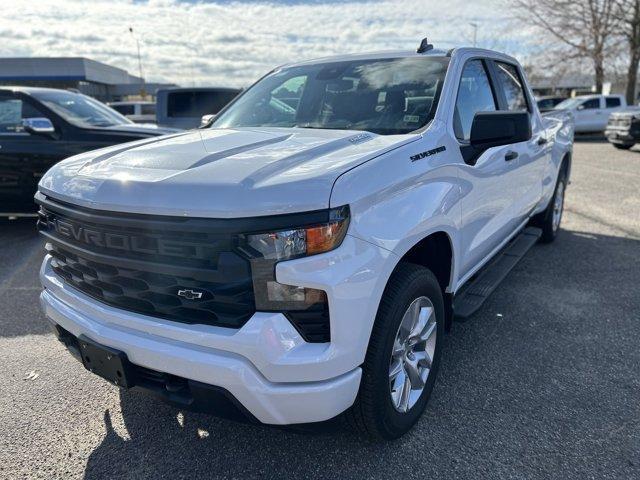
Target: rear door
(533, 155)
(489, 204)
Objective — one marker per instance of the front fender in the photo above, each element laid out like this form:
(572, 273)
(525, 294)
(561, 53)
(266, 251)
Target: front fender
(395, 202)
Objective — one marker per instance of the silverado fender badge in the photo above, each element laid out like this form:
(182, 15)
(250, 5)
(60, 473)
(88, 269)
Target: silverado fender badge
(190, 294)
(428, 153)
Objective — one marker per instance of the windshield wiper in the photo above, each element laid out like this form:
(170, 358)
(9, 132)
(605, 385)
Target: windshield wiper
(308, 125)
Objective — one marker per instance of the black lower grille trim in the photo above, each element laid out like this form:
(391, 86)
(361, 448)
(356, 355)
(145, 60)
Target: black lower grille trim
(313, 324)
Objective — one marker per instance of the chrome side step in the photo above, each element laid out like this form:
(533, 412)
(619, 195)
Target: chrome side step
(474, 293)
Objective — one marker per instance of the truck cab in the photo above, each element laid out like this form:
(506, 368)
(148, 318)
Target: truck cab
(591, 112)
(303, 256)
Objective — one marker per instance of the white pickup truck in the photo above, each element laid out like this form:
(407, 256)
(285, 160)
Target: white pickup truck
(591, 112)
(303, 256)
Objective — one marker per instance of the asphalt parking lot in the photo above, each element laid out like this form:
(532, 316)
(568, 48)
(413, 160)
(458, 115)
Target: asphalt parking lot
(543, 382)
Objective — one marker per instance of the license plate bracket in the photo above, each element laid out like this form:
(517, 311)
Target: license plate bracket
(107, 362)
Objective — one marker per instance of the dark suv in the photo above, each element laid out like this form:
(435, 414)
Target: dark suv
(41, 126)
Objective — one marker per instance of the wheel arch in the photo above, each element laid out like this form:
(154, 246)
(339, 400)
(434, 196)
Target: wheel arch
(435, 251)
(565, 164)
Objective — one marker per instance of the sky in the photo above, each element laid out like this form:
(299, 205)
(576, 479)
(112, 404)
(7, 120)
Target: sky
(232, 43)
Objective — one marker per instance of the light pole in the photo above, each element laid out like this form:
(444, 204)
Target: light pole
(143, 94)
(475, 33)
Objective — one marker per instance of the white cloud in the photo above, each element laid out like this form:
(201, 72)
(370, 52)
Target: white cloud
(198, 43)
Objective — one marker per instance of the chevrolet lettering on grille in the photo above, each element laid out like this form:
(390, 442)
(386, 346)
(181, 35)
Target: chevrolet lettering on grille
(145, 244)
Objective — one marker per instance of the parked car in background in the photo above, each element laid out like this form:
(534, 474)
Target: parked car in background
(623, 129)
(136, 111)
(185, 107)
(304, 255)
(40, 126)
(548, 102)
(591, 112)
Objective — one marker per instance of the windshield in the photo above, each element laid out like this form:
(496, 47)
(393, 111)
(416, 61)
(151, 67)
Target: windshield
(569, 103)
(81, 110)
(388, 96)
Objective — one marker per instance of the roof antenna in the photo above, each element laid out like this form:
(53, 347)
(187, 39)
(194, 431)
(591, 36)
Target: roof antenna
(425, 46)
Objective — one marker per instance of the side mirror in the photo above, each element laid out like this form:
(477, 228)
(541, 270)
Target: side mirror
(38, 126)
(206, 120)
(495, 129)
(580, 107)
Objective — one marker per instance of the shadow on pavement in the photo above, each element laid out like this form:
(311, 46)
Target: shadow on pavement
(541, 381)
(21, 253)
(590, 138)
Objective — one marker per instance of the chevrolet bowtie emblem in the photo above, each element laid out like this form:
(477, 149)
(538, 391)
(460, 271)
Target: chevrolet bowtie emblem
(190, 294)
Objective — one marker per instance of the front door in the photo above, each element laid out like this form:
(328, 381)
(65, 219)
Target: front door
(589, 115)
(489, 193)
(24, 157)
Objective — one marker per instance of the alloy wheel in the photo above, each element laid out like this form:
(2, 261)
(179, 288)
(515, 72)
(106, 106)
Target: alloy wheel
(412, 354)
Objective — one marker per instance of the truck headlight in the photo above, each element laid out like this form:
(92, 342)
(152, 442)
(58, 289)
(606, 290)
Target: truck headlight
(267, 249)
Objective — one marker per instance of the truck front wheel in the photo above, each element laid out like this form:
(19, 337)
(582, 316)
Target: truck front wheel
(403, 356)
(623, 146)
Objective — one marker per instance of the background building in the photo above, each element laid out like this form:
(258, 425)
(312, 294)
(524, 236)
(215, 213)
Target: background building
(96, 79)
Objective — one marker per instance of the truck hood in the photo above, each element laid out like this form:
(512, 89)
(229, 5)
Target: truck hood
(629, 112)
(143, 128)
(218, 173)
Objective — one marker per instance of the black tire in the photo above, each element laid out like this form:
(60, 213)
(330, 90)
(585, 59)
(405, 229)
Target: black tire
(373, 413)
(545, 220)
(623, 146)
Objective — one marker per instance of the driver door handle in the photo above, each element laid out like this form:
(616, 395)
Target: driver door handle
(510, 155)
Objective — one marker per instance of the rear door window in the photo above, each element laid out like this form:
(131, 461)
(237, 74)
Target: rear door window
(475, 94)
(509, 78)
(613, 102)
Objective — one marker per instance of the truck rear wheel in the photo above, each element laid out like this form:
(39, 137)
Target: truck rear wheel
(403, 357)
(549, 220)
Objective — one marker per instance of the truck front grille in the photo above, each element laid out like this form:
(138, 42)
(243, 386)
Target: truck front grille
(619, 122)
(167, 267)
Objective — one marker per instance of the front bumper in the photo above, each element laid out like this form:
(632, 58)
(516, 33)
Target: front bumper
(266, 365)
(622, 135)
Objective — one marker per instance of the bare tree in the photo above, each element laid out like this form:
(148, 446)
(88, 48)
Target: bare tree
(585, 27)
(627, 13)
